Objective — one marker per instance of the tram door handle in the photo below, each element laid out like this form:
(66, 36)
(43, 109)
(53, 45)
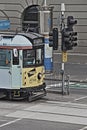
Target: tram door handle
(9, 72)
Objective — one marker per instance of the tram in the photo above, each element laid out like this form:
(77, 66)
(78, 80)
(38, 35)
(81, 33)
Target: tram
(22, 66)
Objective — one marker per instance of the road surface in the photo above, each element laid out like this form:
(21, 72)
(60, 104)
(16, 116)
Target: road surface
(53, 112)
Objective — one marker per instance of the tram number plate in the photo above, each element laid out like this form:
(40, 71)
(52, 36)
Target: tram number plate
(64, 56)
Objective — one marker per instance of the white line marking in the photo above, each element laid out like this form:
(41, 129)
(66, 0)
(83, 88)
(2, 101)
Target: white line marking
(53, 85)
(58, 85)
(8, 123)
(78, 54)
(84, 128)
(80, 98)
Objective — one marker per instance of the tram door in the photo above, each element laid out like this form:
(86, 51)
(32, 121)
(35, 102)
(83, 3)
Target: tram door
(16, 70)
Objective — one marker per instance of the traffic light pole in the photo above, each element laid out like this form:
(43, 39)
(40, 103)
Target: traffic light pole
(62, 65)
(63, 81)
(68, 41)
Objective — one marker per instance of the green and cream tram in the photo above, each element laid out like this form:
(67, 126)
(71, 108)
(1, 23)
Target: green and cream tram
(22, 66)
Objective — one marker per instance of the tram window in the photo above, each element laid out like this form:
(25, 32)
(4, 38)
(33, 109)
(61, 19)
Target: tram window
(16, 59)
(2, 59)
(32, 57)
(38, 56)
(28, 57)
(5, 57)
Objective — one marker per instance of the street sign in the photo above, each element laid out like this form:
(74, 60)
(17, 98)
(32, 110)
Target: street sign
(64, 56)
(4, 24)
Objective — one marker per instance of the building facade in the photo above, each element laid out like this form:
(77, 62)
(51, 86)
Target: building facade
(13, 10)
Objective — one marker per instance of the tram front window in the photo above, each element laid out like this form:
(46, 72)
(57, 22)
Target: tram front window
(28, 57)
(32, 57)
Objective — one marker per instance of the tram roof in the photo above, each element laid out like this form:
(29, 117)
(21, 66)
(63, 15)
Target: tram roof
(20, 40)
(31, 35)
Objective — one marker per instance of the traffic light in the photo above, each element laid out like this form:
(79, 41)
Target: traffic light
(71, 22)
(69, 37)
(74, 38)
(66, 40)
(53, 39)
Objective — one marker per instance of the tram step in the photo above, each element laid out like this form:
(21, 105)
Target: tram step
(2, 95)
(36, 96)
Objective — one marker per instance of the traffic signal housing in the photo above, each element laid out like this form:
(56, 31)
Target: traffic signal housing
(66, 40)
(69, 37)
(71, 22)
(74, 38)
(53, 39)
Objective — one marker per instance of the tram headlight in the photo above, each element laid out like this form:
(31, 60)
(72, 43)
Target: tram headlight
(39, 76)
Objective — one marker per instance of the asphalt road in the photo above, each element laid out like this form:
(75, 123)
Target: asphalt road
(52, 112)
(26, 124)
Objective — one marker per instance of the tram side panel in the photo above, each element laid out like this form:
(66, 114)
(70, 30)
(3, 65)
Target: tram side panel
(5, 78)
(5, 70)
